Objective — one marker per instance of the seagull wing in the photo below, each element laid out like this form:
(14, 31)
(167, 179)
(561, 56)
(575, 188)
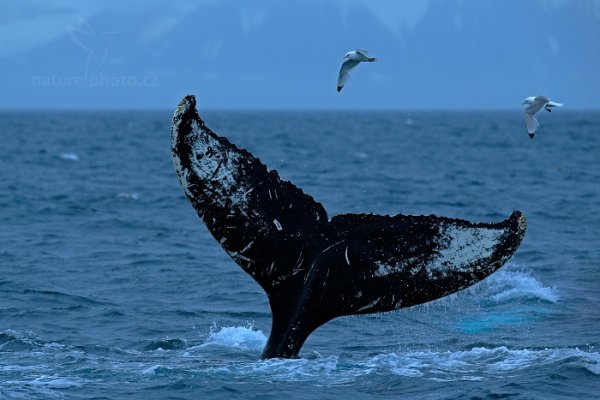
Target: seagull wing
(538, 103)
(365, 55)
(345, 72)
(532, 123)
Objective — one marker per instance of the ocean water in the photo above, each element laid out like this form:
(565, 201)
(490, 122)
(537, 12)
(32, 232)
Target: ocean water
(111, 286)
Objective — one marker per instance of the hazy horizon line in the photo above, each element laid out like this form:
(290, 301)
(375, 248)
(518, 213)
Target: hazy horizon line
(278, 109)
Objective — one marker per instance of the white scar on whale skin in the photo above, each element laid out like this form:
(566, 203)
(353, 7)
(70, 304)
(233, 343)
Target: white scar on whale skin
(394, 267)
(245, 249)
(221, 172)
(384, 269)
(237, 256)
(228, 189)
(370, 305)
(461, 248)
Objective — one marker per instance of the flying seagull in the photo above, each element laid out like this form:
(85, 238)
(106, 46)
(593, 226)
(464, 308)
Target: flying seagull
(353, 58)
(535, 104)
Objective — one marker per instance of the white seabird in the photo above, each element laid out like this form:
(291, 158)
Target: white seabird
(535, 104)
(353, 58)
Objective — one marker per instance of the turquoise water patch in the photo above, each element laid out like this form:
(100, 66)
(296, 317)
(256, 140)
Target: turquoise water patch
(489, 322)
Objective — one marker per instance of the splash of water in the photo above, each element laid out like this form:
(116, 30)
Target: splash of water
(235, 336)
(508, 285)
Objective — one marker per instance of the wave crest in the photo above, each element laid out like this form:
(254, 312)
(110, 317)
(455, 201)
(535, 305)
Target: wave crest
(236, 336)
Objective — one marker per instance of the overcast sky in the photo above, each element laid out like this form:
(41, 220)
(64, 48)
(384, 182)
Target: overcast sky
(272, 54)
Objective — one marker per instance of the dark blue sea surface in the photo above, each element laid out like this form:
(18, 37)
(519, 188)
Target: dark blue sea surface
(111, 287)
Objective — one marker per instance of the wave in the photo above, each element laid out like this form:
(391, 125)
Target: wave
(475, 363)
(480, 362)
(49, 369)
(511, 284)
(31, 344)
(69, 156)
(11, 340)
(510, 296)
(165, 344)
(60, 297)
(42, 387)
(236, 337)
(129, 195)
(508, 285)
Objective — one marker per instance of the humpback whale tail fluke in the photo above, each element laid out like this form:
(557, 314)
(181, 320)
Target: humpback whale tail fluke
(314, 269)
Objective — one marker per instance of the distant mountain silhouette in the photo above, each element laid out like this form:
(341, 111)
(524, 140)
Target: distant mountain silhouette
(275, 54)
